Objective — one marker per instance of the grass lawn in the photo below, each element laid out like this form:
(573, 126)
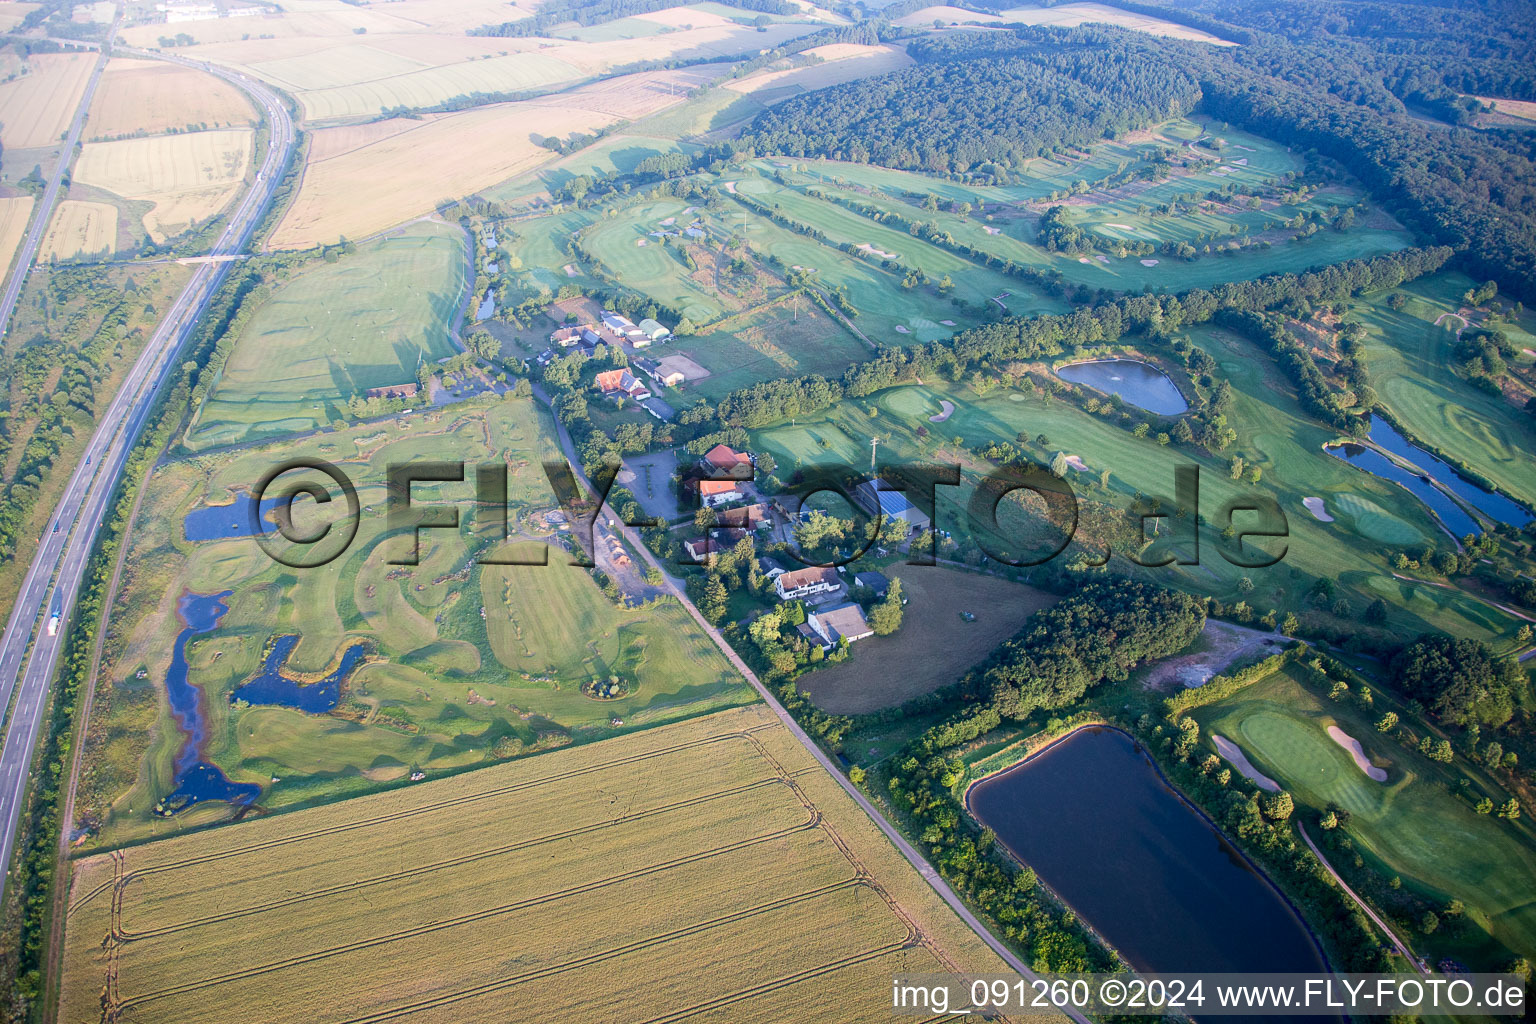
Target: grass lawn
(333, 331)
(1411, 822)
(474, 662)
(934, 646)
(1410, 363)
(787, 338)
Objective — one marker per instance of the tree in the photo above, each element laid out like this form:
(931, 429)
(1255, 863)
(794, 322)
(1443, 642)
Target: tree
(1387, 722)
(1278, 806)
(885, 617)
(1510, 809)
(715, 599)
(1059, 465)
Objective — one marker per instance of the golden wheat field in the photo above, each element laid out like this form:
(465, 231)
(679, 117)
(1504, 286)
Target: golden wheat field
(841, 62)
(80, 228)
(12, 13)
(370, 177)
(148, 97)
(14, 212)
(35, 108)
(188, 177)
(709, 869)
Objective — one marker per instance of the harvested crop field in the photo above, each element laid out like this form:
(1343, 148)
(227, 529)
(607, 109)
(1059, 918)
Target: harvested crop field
(80, 228)
(934, 646)
(367, 187)
(148, 97)
(13, 225)
(693, 870)
(35, 108)
(1070, 15)
(841, 62)
(188, 177)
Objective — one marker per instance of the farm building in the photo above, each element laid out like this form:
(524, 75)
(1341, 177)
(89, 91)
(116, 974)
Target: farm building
(747, 517)
(842, 622)
(724, 462)
(875, 581)
(806, 582)
(621, 382)
(653, 330)
(879, 500)
(618, 323)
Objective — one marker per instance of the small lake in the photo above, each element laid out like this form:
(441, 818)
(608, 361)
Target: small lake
(271, 686)
(219, 522)
(196, 780)
(1141, 384)
(1097, 822)
(1495, 506)
(1451, 514)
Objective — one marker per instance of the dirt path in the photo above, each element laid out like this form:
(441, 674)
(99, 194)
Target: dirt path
(1402, 948)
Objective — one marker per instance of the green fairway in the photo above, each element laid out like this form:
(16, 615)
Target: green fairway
(1410, 360)
(334, 330)
(472, 662)
(1411, 822)
(1273, 435)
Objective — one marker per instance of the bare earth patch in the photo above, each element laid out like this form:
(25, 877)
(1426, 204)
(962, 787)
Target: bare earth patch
(1220, 644)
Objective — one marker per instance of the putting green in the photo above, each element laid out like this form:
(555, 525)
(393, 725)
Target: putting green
(1412, 823)
(1373, 521)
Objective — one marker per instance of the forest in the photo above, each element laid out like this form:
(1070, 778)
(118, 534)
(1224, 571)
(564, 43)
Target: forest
(1378, 88)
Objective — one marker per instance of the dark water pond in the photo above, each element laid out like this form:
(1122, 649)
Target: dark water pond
(1141, 384)
(1495, 506)
(271, 686)
(1451, 514)
(219, 522)
(196, 780)
(1096, 821)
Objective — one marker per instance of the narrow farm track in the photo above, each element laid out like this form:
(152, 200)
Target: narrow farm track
(905, 848)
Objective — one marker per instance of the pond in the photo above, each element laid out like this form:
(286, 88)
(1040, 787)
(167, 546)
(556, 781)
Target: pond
(1097, 822)
(1451, 514)
(272, 686)
(1495, 506)
(218, 522)
(196, 780)
(1141, 384)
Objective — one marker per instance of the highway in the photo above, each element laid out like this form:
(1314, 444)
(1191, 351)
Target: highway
(44, 212)
(53, 580)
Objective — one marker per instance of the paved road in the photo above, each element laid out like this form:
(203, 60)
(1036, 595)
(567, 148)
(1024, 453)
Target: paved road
(53, 580)
(44, 212)
(1402, 948)
(907, 850)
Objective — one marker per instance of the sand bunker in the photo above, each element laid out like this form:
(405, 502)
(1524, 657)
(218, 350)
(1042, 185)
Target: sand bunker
(1082, 259)
(1240, 162)
(1122, 227)
(729, 186)
(1352, 745)
(1149, 263)
(1318, 509)
(947, 323)
(901, 329)
(570, 269)
(1234, 754)
(1077, 463)
(946, 408)
(992, 231)
(866, 247)
(640, 243)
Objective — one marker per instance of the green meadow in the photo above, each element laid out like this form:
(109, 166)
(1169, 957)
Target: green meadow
(334, 330)
(1412, 822)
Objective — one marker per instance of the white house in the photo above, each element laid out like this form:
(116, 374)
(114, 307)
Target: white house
(806, 582)
(842, 622)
